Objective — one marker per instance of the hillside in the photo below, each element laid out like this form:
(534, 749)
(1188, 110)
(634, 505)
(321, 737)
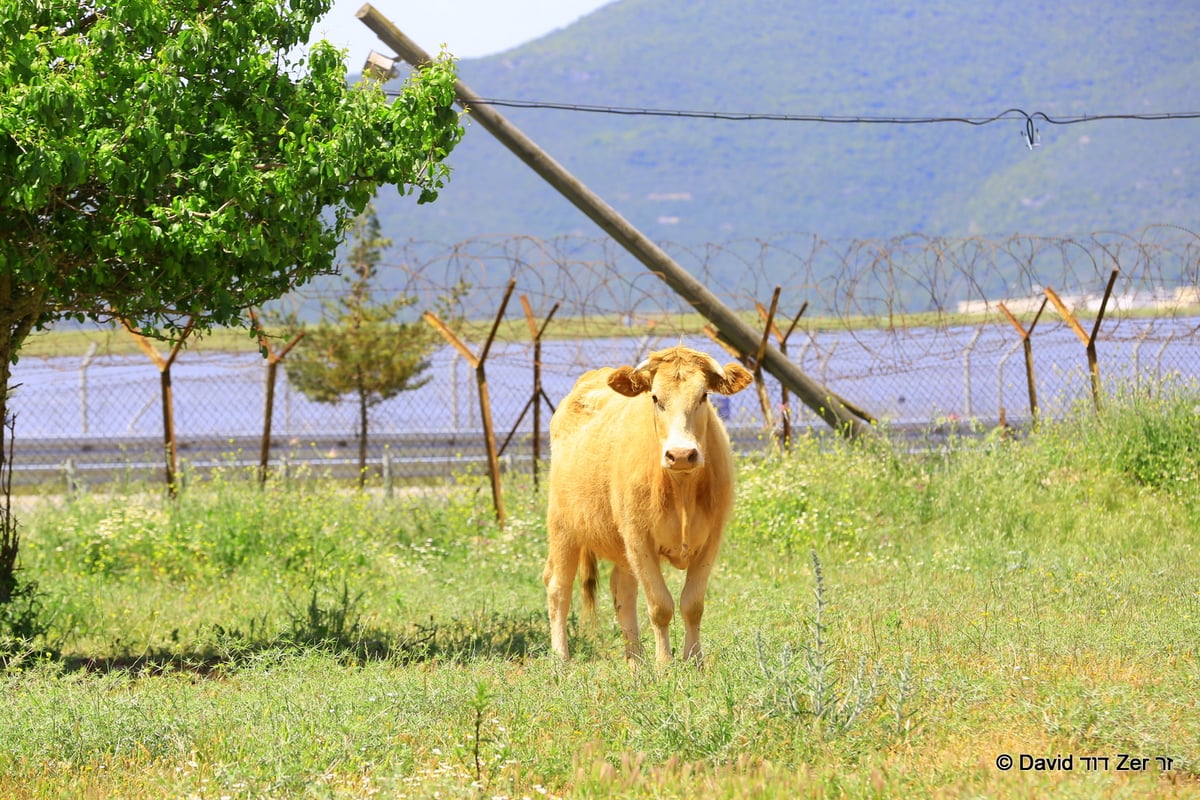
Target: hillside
(693, 181)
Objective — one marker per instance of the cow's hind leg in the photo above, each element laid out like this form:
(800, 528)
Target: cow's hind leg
(559, 577)
(624, 593)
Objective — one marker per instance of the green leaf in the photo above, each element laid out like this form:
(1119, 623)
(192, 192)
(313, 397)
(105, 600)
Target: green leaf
(176, 166)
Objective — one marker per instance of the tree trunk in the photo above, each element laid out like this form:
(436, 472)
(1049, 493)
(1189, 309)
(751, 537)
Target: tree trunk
(362, 439)
(10, 538)
(19, 310)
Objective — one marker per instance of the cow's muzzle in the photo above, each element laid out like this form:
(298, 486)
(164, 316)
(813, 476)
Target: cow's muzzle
(681, 459)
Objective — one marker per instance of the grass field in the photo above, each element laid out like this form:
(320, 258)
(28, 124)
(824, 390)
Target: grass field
(880, 625)
(115, 340)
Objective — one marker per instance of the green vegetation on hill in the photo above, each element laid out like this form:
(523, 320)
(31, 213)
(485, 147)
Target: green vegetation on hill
(692, 181)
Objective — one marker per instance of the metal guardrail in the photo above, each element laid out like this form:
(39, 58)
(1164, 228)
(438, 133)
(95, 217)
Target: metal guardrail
(106, 460)
(395, 459)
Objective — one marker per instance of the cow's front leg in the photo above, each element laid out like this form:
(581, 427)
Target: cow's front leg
(644, 565)
(624, 588)
(691, 605)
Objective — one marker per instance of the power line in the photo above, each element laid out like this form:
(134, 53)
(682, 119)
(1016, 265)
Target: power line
(1030, 119)
(833, 118)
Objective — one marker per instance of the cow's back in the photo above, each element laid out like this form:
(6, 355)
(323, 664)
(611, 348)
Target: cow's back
(583, 404)
(595, 438)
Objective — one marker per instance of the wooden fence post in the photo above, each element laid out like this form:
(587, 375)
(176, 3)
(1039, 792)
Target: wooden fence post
(485, 403)
(753, 361)
(1088, 341)
(782, 339)
(1028, 347)
(539, 394)
(273, 358)
(168, 402)
(754, 364)
(760, 385)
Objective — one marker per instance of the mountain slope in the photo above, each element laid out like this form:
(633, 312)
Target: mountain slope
(692, 181)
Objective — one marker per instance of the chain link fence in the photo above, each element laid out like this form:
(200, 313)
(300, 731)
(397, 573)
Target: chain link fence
(907, 329)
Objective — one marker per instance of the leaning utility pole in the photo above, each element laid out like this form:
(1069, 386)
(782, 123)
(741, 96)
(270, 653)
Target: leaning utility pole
(822, 401)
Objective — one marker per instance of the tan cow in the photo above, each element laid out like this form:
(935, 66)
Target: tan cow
(640, 471)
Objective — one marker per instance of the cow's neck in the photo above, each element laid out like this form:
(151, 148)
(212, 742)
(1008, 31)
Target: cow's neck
(683, 498)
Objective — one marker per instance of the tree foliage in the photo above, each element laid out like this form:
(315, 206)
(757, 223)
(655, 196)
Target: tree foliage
(166, 160)
(360, 349)
(172, 160)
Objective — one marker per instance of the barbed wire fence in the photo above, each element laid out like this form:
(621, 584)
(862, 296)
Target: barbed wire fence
(908, 329)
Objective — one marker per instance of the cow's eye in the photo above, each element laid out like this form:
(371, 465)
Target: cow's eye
(657, 403)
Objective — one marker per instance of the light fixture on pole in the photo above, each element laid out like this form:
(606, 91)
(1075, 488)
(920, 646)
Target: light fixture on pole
(379, 67)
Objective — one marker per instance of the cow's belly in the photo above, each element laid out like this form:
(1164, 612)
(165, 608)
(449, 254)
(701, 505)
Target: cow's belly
(610, 547)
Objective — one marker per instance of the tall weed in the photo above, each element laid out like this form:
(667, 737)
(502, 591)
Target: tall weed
(835, 690)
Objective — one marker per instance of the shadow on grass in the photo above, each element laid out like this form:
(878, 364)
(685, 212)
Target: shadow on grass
(331, 631)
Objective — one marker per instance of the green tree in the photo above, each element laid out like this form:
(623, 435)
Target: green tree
(359, 348)
(162, 160)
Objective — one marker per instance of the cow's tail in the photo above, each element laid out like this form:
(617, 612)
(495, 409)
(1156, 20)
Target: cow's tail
(588, 573)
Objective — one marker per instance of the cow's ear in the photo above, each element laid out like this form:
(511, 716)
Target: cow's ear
(735, 379)
(629, 381)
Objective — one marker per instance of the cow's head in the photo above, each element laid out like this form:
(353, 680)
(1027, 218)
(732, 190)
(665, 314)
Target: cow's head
(678, 381)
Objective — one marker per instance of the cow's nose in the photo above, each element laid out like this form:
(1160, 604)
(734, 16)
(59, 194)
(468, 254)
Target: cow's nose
(681, 457)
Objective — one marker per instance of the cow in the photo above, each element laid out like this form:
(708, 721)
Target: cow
(641, 471)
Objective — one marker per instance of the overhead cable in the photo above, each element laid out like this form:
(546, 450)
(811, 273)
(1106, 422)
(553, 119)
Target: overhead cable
(1030, 133)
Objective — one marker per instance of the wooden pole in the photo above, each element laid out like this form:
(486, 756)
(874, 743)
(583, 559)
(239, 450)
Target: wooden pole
(485, 402)
(539, 394)
(170, 449)
(273, 358)
(1027, 345)
(782, 338)
(823, 402)
(1089, 340)
(536, 331)
(537, 385)
(760, 385)
(716, 336)
(1093, 359)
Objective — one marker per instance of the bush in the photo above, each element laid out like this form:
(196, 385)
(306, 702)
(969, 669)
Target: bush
(23, 626)
(1156, 440)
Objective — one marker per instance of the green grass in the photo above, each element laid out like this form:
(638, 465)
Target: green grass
(115, 340)
(111, 340)
(880, 625)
